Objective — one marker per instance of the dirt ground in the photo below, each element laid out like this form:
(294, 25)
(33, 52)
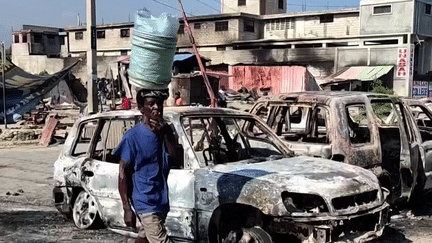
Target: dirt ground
(27, 212)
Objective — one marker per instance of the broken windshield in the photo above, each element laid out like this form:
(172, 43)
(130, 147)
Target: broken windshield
(218, 140)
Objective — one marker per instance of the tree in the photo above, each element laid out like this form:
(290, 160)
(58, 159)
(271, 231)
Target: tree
(43, 73)
(377, 87)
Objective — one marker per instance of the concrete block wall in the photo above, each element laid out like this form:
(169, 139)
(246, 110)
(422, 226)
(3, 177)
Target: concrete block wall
(112, 40)
(343, 25)
(208, 36)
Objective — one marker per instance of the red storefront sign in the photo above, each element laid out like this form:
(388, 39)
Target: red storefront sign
(402, 63)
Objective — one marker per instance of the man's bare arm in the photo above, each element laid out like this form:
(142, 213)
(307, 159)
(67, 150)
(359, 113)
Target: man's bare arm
(124, 190)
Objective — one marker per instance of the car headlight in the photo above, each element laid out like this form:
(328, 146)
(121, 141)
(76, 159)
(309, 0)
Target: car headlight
(305, 203)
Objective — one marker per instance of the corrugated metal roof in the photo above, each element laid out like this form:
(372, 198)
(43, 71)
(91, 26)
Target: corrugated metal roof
(362, 73)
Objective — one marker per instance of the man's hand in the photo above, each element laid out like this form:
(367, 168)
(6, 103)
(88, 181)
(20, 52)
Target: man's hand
(156, 124)
(129, 218)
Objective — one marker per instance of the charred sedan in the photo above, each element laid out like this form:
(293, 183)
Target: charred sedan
(374, 131)
(233, 180)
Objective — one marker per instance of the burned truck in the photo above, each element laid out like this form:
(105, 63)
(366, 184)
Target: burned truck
(374, 131)
(233, 180)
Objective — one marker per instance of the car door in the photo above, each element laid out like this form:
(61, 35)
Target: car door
(182, 219)
(99, 172)
(423, 121)
(100, 176)
(409, 139)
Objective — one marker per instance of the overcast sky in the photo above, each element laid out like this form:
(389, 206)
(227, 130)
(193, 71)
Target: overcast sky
(61, 13)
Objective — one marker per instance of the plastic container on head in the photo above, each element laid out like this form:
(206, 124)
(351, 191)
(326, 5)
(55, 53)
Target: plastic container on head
(153, 47)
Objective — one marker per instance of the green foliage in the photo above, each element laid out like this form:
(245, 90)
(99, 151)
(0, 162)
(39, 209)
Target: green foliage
(377, 87)
(43, 73)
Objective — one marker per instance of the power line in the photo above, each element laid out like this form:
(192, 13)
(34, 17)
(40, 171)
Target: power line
(166, 5)
(208, 5)
(218, 1)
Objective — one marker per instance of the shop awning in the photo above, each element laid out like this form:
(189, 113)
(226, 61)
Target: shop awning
(361, 73)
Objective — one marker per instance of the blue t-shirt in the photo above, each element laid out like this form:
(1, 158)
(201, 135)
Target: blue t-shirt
(143, 150)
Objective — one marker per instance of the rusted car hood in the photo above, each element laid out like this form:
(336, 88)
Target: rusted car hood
(302, 175)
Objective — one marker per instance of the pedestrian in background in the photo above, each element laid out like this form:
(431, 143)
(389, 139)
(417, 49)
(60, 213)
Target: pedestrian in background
(178, 99)
(126, 103)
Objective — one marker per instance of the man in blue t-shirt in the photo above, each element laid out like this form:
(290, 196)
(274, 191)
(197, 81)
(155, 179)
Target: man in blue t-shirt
(145, 153)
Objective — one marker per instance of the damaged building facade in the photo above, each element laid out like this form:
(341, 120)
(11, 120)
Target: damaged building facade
(395, 34)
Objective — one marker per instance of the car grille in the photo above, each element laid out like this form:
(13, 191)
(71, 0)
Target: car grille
(355, 200)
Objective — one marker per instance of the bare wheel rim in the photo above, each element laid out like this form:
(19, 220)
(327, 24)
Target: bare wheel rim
(249, 235)
(84, 211)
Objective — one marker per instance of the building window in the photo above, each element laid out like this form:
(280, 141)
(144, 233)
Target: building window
(328, 18)
(221, 26)
(267, 25)
(62, 40)
(382, 9)
(292, 24)
(197, 26)
(281, 4)
(24, 38)
(100, 34)
(16, 38)
(37, 38)
(51, 39)
(180, 29)
(277, 24)
(428, 9)
(79, 35)
(241, 2)
(123, 52)
(124, 33)
(249, 26)
(221, 48)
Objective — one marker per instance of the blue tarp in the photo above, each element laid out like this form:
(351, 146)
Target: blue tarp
(24, 90)
(181, 57)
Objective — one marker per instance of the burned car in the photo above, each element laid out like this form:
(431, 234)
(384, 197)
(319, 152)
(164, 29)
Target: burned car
(233, 179)
(374, 131)
(422, 114)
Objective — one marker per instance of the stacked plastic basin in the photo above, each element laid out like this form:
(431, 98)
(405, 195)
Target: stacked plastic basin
(153, 48)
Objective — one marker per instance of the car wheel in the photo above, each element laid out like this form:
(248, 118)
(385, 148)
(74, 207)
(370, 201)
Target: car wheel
(249, 235)
(85, 211)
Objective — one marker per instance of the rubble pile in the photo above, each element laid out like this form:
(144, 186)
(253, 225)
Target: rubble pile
(30, 129)
(20, 134)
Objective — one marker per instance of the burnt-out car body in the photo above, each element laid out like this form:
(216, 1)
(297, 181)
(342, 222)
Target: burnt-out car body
(227, 182)
(374, 131)
(422, 114)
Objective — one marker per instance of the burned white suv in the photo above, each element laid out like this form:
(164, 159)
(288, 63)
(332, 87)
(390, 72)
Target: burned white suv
(233, 179)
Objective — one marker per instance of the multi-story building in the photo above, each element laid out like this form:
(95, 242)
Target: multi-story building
(381, 32)
(392, 33)
(38, 48)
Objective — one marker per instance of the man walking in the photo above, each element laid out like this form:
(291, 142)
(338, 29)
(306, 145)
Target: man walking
(145, 153)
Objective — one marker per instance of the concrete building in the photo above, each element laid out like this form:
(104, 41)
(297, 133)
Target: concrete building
(112, 39)
(393, 33)
(39, 48)
(113, 44)
(381, 32)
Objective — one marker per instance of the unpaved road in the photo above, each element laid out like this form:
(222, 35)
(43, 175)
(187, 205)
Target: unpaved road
(28, 213)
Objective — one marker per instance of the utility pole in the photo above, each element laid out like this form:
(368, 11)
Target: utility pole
(4, 82)
(92, 101)
(213, 100)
